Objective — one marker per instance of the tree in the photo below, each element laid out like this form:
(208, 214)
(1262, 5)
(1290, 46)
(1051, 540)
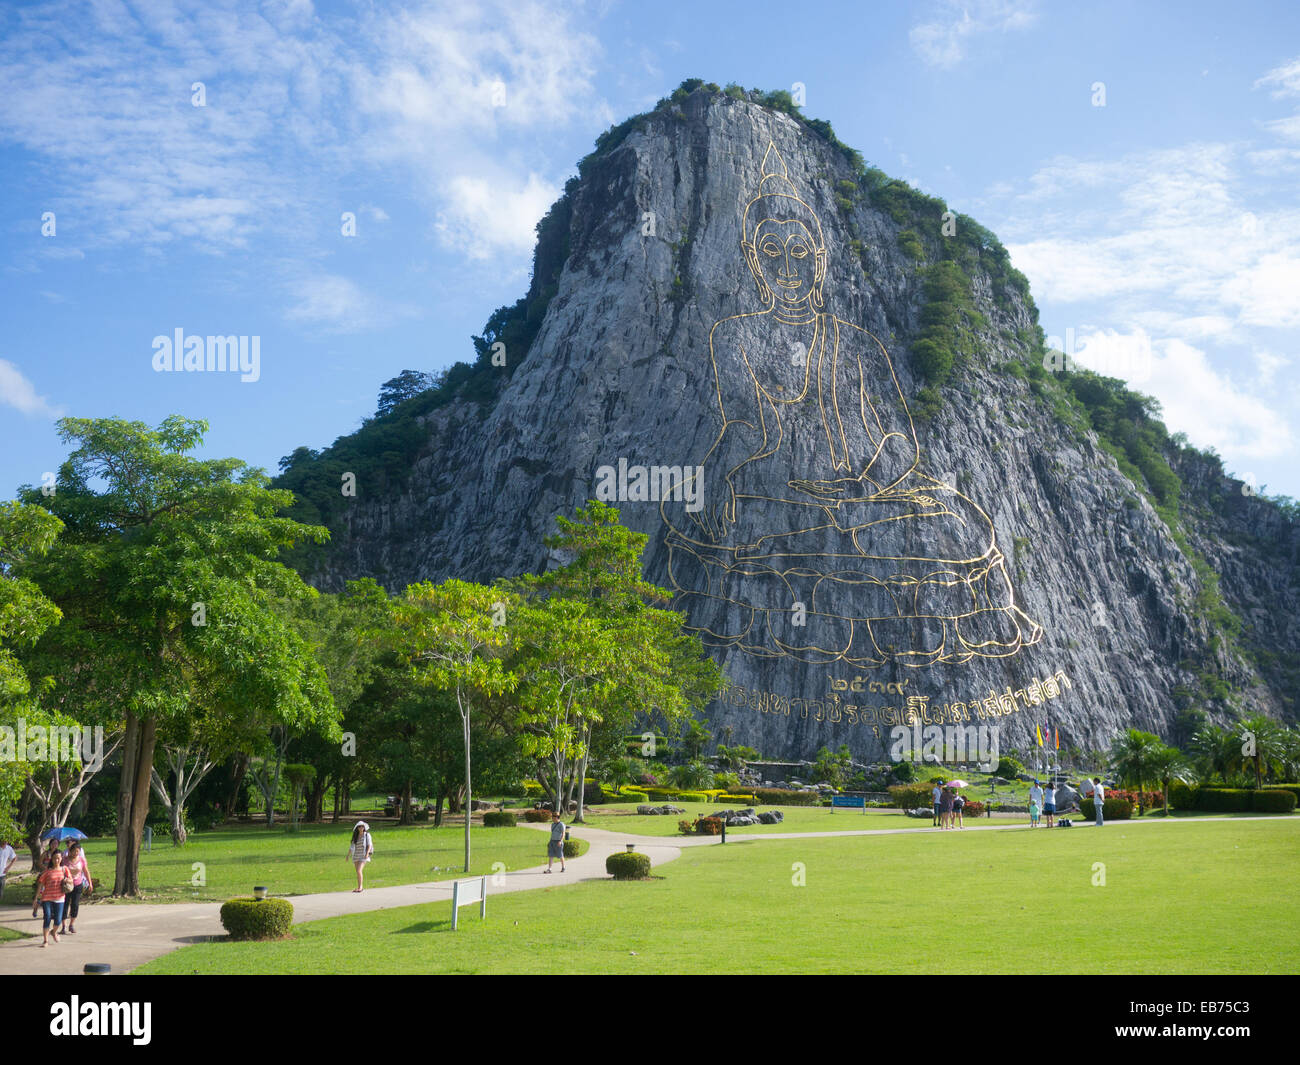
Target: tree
(694, 739)
(1263, 746)
(735, 758)
(454, 635)
(166, 571)
(1133, 754)
(691, 776)
(632, 657)
(833, 767)
(406, 385)
(1167, 765)
(1217, 751)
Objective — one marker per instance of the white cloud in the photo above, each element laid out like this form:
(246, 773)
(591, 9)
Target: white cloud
(18, 392)
(329, 300)
(944, 39)
(1283, 80)
(484, 215)
(293, 102)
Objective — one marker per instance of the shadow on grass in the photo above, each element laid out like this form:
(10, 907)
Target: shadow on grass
(423, 926)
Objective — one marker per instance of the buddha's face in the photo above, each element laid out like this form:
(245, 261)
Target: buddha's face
(785, 257)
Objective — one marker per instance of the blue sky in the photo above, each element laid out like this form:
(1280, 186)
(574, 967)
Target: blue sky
(1158, 230)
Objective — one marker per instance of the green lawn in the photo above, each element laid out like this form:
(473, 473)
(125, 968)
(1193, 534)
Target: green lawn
(236, 858)
(1218, 897)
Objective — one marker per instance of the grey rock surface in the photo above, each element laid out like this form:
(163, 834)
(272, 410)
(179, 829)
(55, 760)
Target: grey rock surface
(658, 351)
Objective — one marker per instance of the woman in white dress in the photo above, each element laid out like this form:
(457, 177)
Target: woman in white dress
(360, 851)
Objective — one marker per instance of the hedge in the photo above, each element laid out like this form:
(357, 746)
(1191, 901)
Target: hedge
(1223, 800)
(1294, 789)
(973, 808)
(1111, 809)
(1182, 796)
(786, 797)
(628, 865)
(911, 796)
(745, 800)
(246, 918)
(1277, 801)
(499, 819)
(575, 848)
(537, 816)
(692, 796)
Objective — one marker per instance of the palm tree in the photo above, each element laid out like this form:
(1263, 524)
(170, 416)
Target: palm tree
(1132, 754)
(1217, 751)
(1263, 742)
(1168, 764)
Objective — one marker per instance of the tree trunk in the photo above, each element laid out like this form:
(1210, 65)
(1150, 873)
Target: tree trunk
(407, 817)
(582, 783)
(179, 835)
(469, 802)
(133, 801)
(437, 813)
(316, 800)
(237, 772)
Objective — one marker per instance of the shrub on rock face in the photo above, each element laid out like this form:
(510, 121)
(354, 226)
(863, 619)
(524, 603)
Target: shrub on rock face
(499, 819)
(628, 866)
(537, 817)
(1272, 802)
(246, 918)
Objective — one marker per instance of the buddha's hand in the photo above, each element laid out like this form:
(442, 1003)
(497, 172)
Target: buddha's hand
(717, 516)
(841, 488)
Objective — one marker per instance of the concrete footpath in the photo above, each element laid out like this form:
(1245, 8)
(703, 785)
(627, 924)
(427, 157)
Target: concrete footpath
(127, 935)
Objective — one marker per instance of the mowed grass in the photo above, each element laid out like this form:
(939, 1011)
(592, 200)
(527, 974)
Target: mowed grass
(234, 859)
(1217, 897)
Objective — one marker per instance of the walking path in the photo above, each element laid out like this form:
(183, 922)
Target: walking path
(129, 935)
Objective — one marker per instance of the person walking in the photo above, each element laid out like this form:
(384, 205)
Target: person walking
(81, 884)
(555, 848)
(46, 860)
(360, 851)
(945, 808)
(1049, 803)
(1098, 798)
(7, 858)
(936, 796)
(53, 884)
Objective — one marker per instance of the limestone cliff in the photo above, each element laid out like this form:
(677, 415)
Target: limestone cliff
(872, 532)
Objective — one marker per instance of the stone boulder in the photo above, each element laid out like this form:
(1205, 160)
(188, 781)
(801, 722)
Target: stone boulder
(1066, 798)
(666, 808)
(920, 811)
(771, 817)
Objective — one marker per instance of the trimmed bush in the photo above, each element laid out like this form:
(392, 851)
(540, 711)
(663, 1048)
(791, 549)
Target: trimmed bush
(1272, 802)
(1111, 809)
(533, 790)
(692, 796)
(1182, 796)
(628, 866)
(499, 819)
(1294, 789)
(742, 800)
(575, 848)
(632, 795)
(911, 796)
(246, 918)
(708, 826)
(973, 808)
(786, 797)
(1223, 800)
(537, 817)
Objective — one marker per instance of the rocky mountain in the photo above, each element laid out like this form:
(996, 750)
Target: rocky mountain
(826, 400)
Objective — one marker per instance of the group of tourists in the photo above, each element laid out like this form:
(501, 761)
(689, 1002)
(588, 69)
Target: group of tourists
(948, 806)
(1042, 803)
(64, 878)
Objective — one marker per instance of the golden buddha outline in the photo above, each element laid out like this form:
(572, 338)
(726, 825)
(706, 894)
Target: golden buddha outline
(859, 557)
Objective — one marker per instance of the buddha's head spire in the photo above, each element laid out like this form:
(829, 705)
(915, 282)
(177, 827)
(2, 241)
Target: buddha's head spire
(782, 239)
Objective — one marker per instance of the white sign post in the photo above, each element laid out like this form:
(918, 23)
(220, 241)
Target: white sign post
(464, 892)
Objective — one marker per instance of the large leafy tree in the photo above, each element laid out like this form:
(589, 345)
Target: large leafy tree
(601, 647)
(168, 571)
(26, 531)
